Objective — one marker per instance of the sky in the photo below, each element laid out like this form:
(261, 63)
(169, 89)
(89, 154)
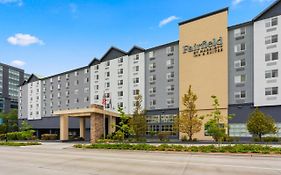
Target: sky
(47, 37)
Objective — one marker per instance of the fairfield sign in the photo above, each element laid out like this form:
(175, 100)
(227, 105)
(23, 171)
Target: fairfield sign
(204, 48)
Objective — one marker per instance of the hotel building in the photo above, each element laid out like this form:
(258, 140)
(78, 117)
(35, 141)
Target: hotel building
(239, 64)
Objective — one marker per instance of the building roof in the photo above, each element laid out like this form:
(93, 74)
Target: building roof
(163, 45)
(240, 25)
(112, 53)
(204, 16)
(268, 9)
(94, 62)
(135, 50)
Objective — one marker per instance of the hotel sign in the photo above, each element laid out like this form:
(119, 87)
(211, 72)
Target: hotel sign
(204, 48)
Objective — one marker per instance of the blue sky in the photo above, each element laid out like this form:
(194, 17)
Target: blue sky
(51, 36)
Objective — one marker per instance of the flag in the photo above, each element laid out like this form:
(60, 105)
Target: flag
(103, 100)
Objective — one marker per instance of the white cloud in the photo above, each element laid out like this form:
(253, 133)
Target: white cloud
(236, 2)
(18, 63)
(167, 20)
(24, 40)
(18, 2)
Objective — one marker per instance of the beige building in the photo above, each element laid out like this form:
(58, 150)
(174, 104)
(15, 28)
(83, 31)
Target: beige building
(203, 62)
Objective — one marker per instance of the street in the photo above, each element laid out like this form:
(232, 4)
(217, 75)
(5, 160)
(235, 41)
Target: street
(61, 159)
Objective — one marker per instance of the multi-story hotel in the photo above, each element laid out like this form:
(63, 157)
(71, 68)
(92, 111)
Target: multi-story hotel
(238, 64)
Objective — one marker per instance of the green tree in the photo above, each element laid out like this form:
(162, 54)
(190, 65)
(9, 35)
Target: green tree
(138, 121)
(124, 129)
(188, 121)
(9, 122)
(216, 126)
(25, 126)
(260, 124)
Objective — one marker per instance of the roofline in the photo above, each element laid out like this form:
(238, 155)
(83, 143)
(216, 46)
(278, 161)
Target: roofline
(112, 47)
(7, 65)
(267, 9)
(65, 72)
(240, 25)
(163, 45)
(137, 47)
(204, 16)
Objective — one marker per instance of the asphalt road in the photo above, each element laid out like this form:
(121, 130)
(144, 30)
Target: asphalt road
(60, 159)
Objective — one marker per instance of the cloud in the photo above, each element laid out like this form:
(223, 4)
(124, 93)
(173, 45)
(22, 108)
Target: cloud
(236, 2)
(18, 63)
(21, 39)
(18, 2)
(167, 20)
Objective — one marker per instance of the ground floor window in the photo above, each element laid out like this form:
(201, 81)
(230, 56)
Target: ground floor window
(160, 123)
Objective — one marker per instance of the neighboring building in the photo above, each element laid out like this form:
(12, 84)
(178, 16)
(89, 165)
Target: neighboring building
(10, 79)
(239, 64)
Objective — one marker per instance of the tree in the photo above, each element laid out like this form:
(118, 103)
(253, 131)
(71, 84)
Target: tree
(216, 126)
(25, 126)
(10, 122)
(188, 121)
(260, 124)
(138, 121)
(124, 129)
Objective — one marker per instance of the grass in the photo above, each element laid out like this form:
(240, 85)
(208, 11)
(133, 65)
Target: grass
(258, 149)
(19, 143)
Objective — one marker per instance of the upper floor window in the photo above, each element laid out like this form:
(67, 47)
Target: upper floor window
(239, 63)
(120, 93)
(271, 39)
(271, 22)
(152, 66)
(239, 32)
(170, 62)
(107, 74)
(120, 60)
(107, 63)
(170, 50)
(271, 91)
(59, 78)
(271, 73)
(137, 57)
(76, 73)
(271, 56)
(136, 68)
(86, 71)
(240, 47)
(51, 80)
(136, 80)
(96, 67)
(151, 54)
(136, 92)
(67, 76)
(152, 78)
(240, 95)
(120, 82)
(240, 78)
(170, 75)
(120, 71)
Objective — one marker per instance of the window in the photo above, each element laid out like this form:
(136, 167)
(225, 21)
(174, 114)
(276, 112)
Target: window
(86, 90)
(67, 84)
(120, 82)
(271, 22)
(240, 47)
(107, 84)
(96, 77)
(171, 88)
(240, 95)
(240, 78)
(136, 92)
(136, 80)
(151, 54)
(152, 90)
(136, 68)
(120, 93)
(120, 104)
(67, 93)
(239, 32)
(107, 95)
(59, 94)
(137, 57)
(120, 60)
(96, 67)
(240, 63)
(152, 78)
(76, 91)
(107, 63)
(170, 75)
(59, 86)
(76, 73)
(170, 50)
(96, 87)
(152, 102)
(120, 71)
(271, 56)
(170, 101)
(152, 66)
(86, 71)
(59, 78)
(86, 80)
(271, 91)
(107, 74)
(271, 73)
(44, 82)
(67, 76)
(51, 88)
(86, 99)
(271, 39)
(96, 97)
(76, 82)
(170, 62)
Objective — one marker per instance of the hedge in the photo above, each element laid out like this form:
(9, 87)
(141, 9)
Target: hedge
(24, 135)
(180, 148)
(19, 143)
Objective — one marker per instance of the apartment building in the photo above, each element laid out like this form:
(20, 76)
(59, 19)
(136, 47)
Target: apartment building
(239, 64)
(10, 79)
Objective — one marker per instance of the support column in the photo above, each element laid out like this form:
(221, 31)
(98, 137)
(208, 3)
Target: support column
(63, 127)
(82, 127)
(111, 124)
(96, 122)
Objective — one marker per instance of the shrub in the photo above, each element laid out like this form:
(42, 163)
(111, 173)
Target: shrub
(163, 136)
(184, 138)
(24, 135)
(49, 136)
(271, 139)
(119, 135)
(18, 143)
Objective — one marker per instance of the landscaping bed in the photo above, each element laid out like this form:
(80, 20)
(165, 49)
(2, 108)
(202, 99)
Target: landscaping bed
(19, 143)
(259, 149)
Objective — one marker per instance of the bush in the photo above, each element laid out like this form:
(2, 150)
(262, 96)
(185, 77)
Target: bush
(18, 143)
(270, 139)
(119, 135)
(163, 136)
(184, 138)
(24, 135)
(49, 136)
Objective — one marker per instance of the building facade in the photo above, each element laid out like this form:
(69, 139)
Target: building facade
(239, 64)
